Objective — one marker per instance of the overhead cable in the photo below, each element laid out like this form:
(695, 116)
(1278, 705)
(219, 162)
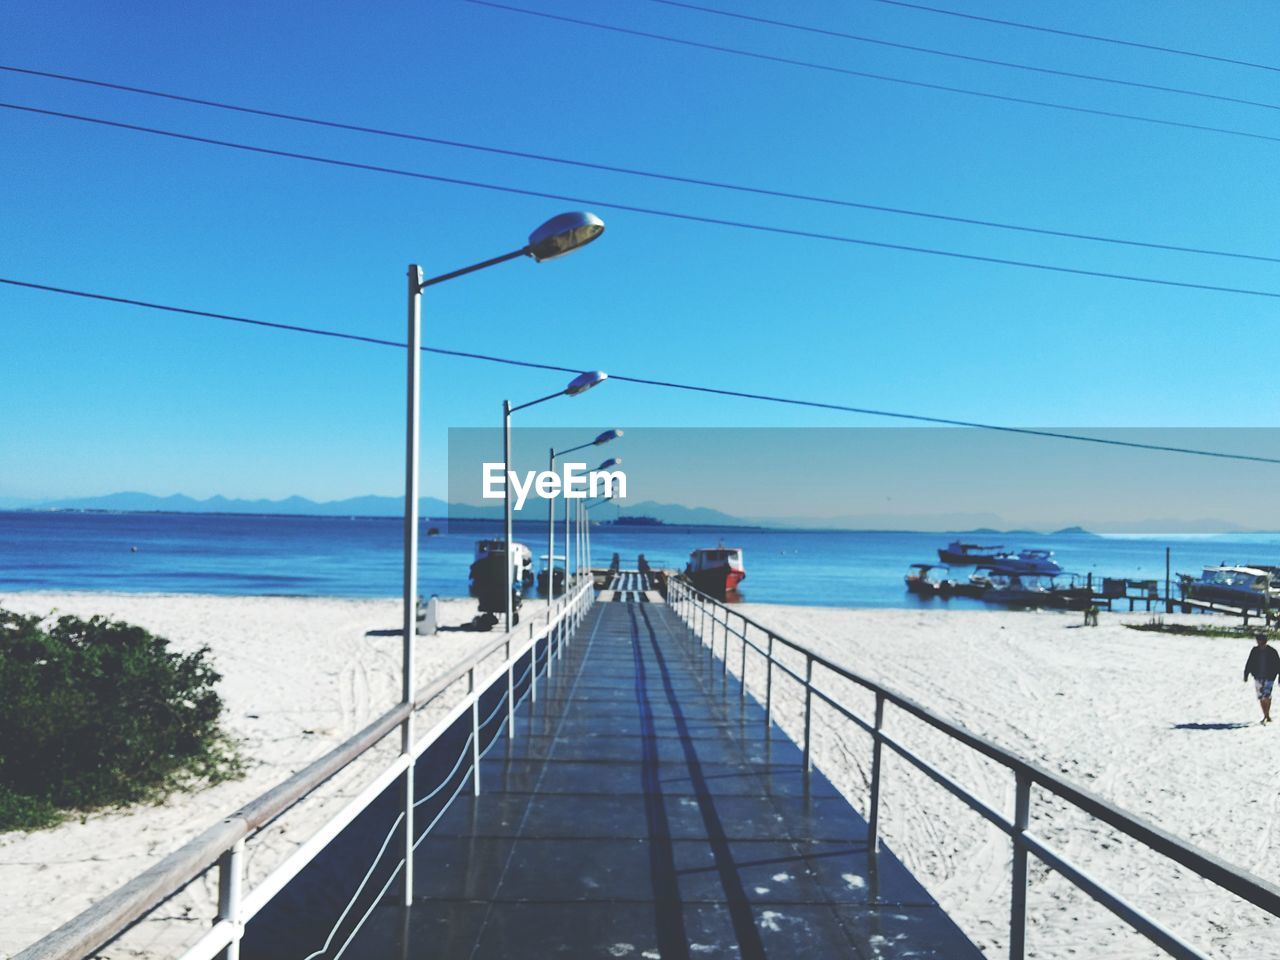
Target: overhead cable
(654, 211)
(650, 381)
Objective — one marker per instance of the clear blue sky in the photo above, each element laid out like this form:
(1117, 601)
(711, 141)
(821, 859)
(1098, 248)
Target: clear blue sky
(98, 398)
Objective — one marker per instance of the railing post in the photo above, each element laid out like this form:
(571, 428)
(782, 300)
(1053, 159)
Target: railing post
(877, 748)
(533, 672)
(742, 675)
(1018, 915)
(475, 730)
(768, 690)
(230, 876)
(808, 716)
(724, 655)
(550, 651)
(511, 694)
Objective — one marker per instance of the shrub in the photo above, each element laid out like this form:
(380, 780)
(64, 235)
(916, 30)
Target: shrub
(96, 713)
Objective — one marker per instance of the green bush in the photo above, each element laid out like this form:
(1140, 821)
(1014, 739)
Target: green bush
(98, 713)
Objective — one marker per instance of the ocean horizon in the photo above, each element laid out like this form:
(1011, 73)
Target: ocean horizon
(299, 555)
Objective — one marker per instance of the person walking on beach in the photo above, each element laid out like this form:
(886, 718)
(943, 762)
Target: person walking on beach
(1264, 666)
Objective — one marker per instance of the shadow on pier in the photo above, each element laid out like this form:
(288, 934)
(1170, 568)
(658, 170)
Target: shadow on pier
(640, 812)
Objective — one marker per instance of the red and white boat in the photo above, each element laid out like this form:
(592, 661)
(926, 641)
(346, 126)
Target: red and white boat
(716, 571)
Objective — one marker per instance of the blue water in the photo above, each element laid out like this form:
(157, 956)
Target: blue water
(360, 557)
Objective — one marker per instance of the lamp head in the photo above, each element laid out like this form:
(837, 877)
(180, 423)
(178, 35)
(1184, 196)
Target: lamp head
(610, 463)
(607, 436)
(564, 234)
(585, 381)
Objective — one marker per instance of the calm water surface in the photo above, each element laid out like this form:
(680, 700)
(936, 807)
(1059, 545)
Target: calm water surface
(360, 556)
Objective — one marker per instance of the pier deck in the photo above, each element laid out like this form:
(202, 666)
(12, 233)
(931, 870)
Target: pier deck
(639, 813)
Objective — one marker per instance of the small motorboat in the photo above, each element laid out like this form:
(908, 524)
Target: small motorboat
(976, 586)
(959, 554)
(1038, 591)
(717, 571)
(922, 581)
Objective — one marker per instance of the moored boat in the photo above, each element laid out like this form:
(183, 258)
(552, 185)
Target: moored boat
(1038, 591)
(716, 571)
(1246, 588)
(921, 580)
(1036, 562)
(958, 554)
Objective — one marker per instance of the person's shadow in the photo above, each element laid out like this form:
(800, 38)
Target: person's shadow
(1211, 726)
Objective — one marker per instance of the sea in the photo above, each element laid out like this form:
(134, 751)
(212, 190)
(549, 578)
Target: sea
(234, 554)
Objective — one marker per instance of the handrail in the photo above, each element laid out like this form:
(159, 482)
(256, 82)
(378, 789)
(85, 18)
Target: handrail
(1227, 876)
(117, 911)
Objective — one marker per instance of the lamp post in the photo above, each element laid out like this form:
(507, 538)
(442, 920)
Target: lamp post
(587, 507)
(603, 438)
(560, 235)
(579, 384)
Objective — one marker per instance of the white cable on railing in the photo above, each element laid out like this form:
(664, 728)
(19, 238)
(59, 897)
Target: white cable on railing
(376, 900)
(360, 889)
(443, 810)
(445, 782)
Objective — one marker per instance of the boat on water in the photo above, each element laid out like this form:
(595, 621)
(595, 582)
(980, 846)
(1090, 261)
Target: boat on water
(924, 582)
(1034, 562)
(716, 571)
(958, 554)
(1246, 588)
(1037, 590)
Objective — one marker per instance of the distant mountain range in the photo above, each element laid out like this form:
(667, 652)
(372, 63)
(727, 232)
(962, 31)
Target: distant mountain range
(970, 524)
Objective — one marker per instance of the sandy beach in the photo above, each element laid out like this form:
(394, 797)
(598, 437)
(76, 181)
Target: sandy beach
(299, 676)
(1160, 725)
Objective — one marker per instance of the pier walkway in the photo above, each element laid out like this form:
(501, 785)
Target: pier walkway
(639, 812)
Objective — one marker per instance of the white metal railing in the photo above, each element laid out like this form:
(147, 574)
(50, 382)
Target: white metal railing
(707, 617)
(542, 639)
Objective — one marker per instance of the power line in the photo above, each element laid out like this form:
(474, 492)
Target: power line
(920, 84)
(1080, 36)
(970, 58)
(632, 171)
(645, 381)
(654, 211)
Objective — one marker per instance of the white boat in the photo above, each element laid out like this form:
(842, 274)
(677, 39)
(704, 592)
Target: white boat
(716, 571)
(1038, 562)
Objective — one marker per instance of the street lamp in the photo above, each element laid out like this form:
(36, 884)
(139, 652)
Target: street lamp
(603, 438)
(560, 235)
(578, 385)
(584, 528)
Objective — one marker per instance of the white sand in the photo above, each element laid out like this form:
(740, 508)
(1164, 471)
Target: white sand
(300, 675)
(1102, 706)
(1110, 709)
